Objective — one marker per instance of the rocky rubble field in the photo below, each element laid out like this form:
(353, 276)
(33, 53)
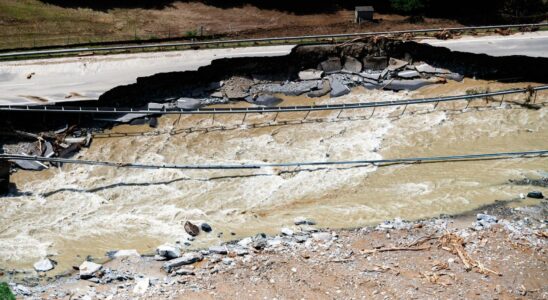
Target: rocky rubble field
(498, 252)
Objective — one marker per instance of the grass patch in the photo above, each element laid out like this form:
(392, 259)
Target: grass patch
(5, 292)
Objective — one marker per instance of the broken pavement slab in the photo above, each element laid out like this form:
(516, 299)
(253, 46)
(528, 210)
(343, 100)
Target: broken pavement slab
(188, 103)
(409, 74)
(396, 64)
(375, 62)
(310, 74)
(352, 65)
(338, 88)
(30, 165)
(332, 64)
(411, 85)
(264, 100)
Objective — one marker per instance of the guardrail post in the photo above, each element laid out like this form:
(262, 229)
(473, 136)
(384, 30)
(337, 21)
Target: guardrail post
(243, 120)
(338, 115)
(403, 111)
(501, 101)
(212, 119)
(535, 98)
(467, 103)
(371, 116)
(306, 116)
(276, 117)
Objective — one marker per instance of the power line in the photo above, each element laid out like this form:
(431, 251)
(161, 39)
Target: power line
(246, 110)
(497, 155)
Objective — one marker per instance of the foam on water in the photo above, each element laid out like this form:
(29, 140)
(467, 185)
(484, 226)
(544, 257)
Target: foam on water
(99, 208)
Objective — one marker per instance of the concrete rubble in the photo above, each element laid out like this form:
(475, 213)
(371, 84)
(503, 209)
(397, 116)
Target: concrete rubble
(89, 269)
(311, 74)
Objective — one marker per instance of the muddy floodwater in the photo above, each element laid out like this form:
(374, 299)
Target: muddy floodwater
(78, 210)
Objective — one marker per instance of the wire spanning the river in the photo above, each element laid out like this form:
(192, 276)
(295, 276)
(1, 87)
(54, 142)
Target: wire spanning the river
(247, 110)
(374, 162)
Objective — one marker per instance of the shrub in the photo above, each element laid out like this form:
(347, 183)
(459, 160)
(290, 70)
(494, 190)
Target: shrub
(5, 292)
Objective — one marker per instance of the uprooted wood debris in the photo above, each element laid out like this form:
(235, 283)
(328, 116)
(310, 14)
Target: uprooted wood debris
(455, 244)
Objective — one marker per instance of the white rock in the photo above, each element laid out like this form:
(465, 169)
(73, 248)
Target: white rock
(184, 272)
(125, 253)
(310, 74)
(228, 261)
(322, 236)
(88, 269)
(218, 249)
(426, 68)
(44, 265)
(287, 231)
(245, 242)
(168, 251)
(141, 285)
(408, 74)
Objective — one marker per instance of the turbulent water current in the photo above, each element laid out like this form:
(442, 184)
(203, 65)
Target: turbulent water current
(79, 210)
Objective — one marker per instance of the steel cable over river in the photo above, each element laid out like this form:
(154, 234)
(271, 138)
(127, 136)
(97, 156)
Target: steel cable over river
(276, 109)
(376, 162)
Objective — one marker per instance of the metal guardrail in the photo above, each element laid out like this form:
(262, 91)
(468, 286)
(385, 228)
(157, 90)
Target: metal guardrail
(246, 110)
(276, 39)
(376, 162)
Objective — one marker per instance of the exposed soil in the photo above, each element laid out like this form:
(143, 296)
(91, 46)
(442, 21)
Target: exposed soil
(31, 23)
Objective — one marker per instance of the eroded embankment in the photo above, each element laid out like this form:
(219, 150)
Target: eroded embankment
(195, 84)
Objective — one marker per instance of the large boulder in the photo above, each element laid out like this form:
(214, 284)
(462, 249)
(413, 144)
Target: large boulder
(191, 229)
(375, 62)
(352, 65)
(332, 64)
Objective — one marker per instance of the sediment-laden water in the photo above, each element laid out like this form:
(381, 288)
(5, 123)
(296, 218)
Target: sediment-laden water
(77, 210)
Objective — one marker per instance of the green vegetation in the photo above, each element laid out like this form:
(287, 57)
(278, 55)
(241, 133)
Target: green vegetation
(408, 6)
(5, 292)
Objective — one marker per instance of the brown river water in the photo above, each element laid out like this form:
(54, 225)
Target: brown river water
(80, 210)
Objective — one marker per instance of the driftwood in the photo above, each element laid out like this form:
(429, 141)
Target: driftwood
(369, 251)
(455, 244)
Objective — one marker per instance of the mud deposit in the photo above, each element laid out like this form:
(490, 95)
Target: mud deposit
(75, 211)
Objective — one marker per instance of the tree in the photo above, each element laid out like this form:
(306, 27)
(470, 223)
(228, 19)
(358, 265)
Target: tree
(409, 6)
